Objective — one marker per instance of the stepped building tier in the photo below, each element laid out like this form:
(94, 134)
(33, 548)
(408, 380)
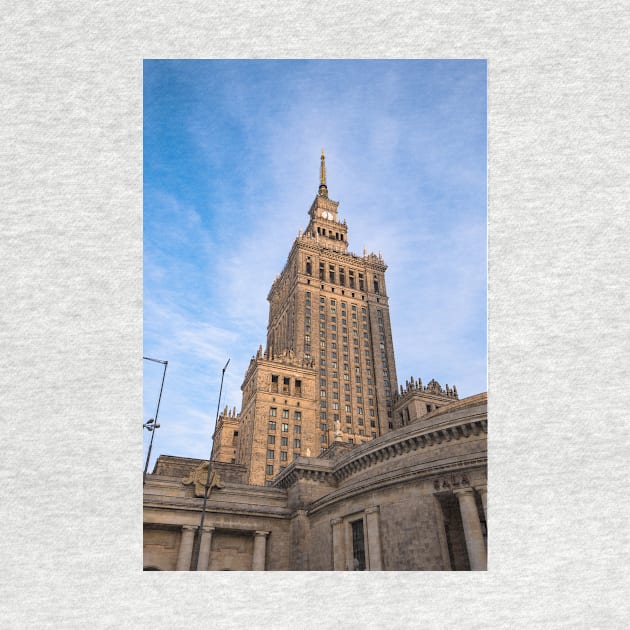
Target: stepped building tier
(329, 330)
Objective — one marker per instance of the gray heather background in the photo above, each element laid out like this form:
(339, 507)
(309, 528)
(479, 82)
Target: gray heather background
(71, 309)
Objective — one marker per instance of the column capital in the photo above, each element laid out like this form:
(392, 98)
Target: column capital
(190, 527)
(463, 491)
(335, 521)
(261, 533)
(208, 528)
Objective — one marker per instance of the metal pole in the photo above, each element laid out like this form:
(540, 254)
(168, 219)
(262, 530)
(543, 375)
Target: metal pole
(205, 494)
(155, 423)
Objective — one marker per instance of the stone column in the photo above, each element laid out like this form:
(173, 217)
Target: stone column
(472, 529)
(204, 551)
(375, 562)
(483, 493)
(185, 548)
(260, 550)
(337, 544)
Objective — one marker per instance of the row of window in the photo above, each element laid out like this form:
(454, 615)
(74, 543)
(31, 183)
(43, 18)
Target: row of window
(284, 427)
(337, 275)
(271, 453)
(273, 412)
(286, 385)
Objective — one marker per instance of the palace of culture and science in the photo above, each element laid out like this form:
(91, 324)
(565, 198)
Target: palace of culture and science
(329, 465)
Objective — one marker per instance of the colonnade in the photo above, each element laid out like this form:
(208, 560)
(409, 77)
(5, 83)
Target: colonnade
(184, 555)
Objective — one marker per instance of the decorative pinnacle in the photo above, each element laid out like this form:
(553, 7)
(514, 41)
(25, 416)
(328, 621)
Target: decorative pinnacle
(323, 189)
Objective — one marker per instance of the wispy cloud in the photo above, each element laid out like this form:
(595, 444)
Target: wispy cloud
(232, 157)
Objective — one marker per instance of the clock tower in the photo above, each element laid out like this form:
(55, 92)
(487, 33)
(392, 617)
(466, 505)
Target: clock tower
(324, 224)
(327, 373)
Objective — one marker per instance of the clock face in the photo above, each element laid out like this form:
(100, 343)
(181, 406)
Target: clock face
(327, 215)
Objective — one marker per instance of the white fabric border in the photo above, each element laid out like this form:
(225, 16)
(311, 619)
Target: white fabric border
(72, 309)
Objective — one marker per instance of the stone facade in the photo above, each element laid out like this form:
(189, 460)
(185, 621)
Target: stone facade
(411, 499)
(329, 359)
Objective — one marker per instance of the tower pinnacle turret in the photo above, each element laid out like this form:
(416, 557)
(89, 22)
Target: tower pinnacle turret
(323, 189)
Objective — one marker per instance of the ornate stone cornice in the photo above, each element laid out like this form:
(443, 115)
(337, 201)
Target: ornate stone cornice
(384, 448)
(312, 470)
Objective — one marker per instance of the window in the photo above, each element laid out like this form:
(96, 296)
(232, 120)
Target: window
(297, 429)
(285, 427)
(296, 443)
(271, 439)
(323, 426)
(285, 413)
(323, 439)
(285, 385)
(270, 453)
(297, 415)
(273, 412)
(322, 415)
(358, 545)
(283, 456)
(272, 425)
(274, 382)
(298, 392)
(284, 441)
(269, 471)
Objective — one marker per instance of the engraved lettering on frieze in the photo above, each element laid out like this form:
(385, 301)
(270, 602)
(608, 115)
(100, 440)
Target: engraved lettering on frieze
(454, 480)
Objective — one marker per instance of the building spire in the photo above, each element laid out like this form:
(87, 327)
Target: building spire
(323, 189)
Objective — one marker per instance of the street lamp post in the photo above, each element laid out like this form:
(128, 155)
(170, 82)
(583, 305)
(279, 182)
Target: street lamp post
(152, 424)
(207, 488)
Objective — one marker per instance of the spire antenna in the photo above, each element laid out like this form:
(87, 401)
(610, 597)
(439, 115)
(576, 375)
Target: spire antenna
(323, 189)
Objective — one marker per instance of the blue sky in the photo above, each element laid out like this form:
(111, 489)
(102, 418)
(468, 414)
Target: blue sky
(231, 166)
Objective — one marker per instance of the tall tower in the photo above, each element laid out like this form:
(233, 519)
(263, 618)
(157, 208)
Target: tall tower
(329, 357)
